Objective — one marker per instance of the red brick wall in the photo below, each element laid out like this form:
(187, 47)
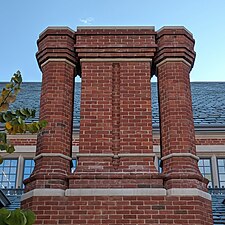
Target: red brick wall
(116, 123)
(115, 105)
(116, 118)
(174, 60)
(156, 141)
(96, 108)
(56, 106)
(121, 210)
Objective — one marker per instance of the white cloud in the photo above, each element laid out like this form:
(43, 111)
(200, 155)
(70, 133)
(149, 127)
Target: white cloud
(87, 20)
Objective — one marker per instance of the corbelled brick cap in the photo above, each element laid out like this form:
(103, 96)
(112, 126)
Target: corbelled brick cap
(175, 43)
(115, 42)
(56, 43)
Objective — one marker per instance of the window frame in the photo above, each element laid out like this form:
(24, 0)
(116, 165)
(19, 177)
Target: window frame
(24, 161)
(217, 161)
(16, 172)
(211, 171)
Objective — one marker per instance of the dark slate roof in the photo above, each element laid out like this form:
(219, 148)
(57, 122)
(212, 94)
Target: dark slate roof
(208, 102)
(4, 201)
(14, 202)
(13, 197)
(218, 207)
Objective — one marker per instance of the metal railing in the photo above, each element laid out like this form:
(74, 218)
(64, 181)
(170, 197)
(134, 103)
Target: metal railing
(217, 191)
(12, 191)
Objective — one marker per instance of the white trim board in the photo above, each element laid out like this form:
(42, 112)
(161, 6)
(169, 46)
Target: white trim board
(117, 192)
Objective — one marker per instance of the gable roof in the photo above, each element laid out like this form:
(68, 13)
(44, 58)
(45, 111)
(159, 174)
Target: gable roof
(218, 208)
(10, 198)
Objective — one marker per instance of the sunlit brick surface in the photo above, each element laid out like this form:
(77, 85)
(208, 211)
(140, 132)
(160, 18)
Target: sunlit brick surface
(116, 140)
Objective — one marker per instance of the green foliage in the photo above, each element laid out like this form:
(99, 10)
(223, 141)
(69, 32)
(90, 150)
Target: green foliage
(14, 121)
(9, 93)
(16, 217)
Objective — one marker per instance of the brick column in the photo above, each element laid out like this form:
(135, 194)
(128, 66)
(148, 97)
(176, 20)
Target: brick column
(56, 59)
(116, 147)
(174, 60)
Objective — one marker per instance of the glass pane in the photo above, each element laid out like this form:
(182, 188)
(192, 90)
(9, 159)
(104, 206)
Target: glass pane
(207, 170)
(4, 184)
(220, 162)
(12, 177)
(27, 162)
(28, 168)
(222, 177)
(6, 162)
(221, 169)
(210, 185)
(8, 173)
(200, 162)
(222, 184)
(14, 162)
(13, 170)
(6, 170)
(25, 176)
(74, 165)
(208, 176)
(206, 162)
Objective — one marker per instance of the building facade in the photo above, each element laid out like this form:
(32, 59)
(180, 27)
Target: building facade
(117, 150)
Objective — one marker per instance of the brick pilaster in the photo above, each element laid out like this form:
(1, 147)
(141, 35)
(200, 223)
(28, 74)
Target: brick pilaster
(56, 59)
(174, 60)
(116, 143)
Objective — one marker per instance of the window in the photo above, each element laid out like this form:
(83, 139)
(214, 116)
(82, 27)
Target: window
(28, 168)
(74, 166)
(205, 168)
(8, 171)
(221, 172)
(159, 166)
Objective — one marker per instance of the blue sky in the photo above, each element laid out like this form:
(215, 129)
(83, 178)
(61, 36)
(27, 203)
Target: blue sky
(22, 21)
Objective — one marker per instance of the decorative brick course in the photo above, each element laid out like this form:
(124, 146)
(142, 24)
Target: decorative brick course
(156, 141)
